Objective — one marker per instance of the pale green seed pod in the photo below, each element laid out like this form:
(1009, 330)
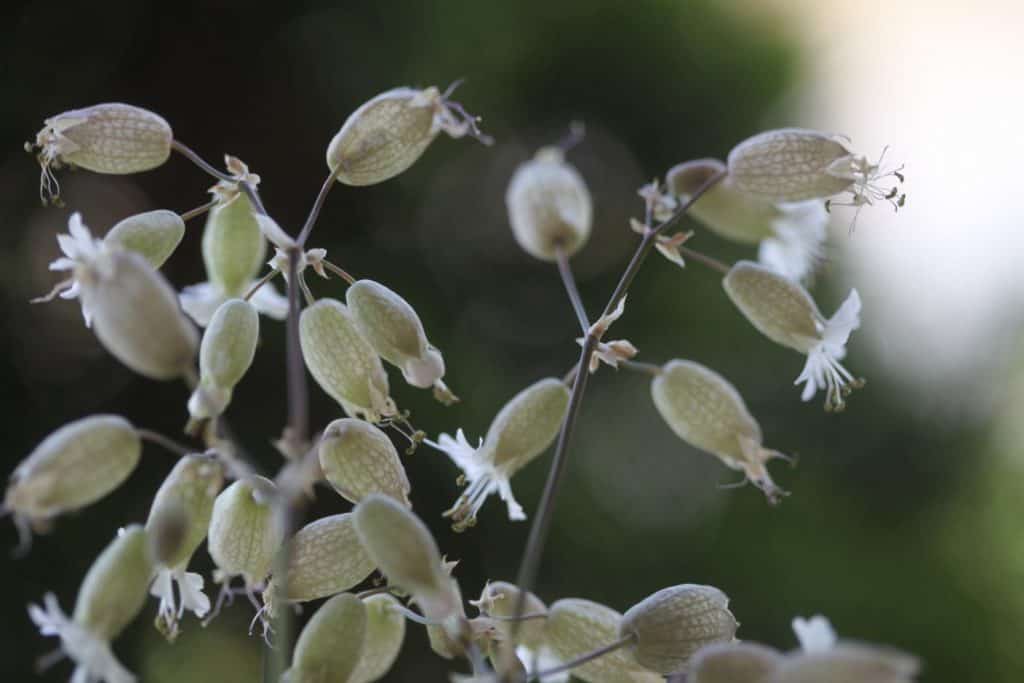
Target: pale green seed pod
(329, 647)
(136, 316)
(790, 164)
(385, 633)
(342, 362)
(326, 558)
(191, 488)
(779, 308)
(499, 599)
(724, 209)
(549, 206)
(154, 235)
(358, 459)
(225, 354)
(395, 332)
(234, 248)
(73, 467)
(733, 663)
(577, 627)
(401, 546)
(114, 589)
(705, 410)
(672, 624)
(847, 663)
(244, 537)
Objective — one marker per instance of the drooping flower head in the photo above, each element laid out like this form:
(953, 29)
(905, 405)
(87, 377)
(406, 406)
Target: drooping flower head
(85, 257)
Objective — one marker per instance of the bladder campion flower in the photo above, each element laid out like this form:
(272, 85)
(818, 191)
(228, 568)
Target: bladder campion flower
(734, 662)
(225, 354)
(153, 234)
(105, 138)
(521, 431)
(330, 645)
(358, 459)
(244, 536)
(705, 410)
(784, 312)
(385, 633)
(387, 134)
(112, 594)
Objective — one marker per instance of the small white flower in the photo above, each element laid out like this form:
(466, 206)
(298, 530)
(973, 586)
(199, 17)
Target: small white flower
(82, 253)
(795, 248)
(201, 301)
(483, 476)
(94, 660)
(815, 634)
(823, 369)
(190, 587)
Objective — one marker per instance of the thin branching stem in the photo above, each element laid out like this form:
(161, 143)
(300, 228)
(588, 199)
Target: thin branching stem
(569, 281)
(198, 211)
(638, 366)
(164, 442)
(207, 167)
(340, 272)
(314, 213)
(704, 259)
(262, 281)
(583, 659)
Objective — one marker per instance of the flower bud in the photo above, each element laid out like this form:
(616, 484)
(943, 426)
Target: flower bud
(520, 432)
(326, 558)
(790, 164)
(225, 354)
(672, 624)
(190, 489)
(847, 663)
(401, 546)
(105, 138)
(244, 536)
(329, 647)
(233, 245)
(342, 362)
(359, 459)
(73, 467)
(733, 663)
(549, 206)
(577, 627)
(395, 332)
(705, 410)
(136, 316)
(386, 135)
(154, 235)
(500, 599)
(385, 632)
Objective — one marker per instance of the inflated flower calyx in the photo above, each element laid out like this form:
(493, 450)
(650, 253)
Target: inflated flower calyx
(105, 138)
(328, 649)
(342, 362)
(234, 248)
(244, 537)
(395, 332)
(521, 431)
(705, 410)
(326, 557)
(784, 312)
(733, 663)
(549, 206)
(112, 594)
(154, 235)
(790, 235)
(577, 627)
(225, 354)
(73, 467)
(500, 599)
(358, 459)
(401, 546)
(793, 164)
(183, 505)
(385, 633)
(386, 135)
(671, 625)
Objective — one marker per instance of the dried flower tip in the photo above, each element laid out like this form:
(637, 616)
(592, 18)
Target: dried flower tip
(793, 164)
(112, 594)
(244, 536)
(330, 645)
(312, 258)
(549, 206)
(672, 624)
(225, 354)
(705, 410)
(611, 353)
(359, 459)
(401, 546)
(385, 633)
(500, 599)
(225, 190)
(342, 362)
(395, 332)
(733, 663)
(790, 235)
(154, 235)
(667, 246)
(784, 312)
(576, 627)
(659, 203)
(387, 134)
(326, 558)
(105, 138)
(521, 431)
(234, 247)
(73, 467)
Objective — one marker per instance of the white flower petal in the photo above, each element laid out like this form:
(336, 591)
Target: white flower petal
(815, 634)
(268, 301)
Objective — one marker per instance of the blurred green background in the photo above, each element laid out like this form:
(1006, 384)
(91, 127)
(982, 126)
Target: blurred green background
(903, 526)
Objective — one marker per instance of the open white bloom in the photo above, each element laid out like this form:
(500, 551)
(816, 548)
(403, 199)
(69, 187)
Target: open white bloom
(519, 433)
(81, 251)
(202, 300)
(93, 657)
(784, 312)
(815, 634)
